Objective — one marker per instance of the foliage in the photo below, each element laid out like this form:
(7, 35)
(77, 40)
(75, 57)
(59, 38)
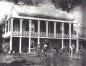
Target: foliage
(66, 5)
(5, 47)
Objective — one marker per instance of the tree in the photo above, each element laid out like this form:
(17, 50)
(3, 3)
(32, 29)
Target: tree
(67, 5)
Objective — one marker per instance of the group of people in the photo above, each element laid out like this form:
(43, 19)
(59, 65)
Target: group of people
(70, 50)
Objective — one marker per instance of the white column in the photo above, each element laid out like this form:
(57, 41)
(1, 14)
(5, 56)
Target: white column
(10, 44)
(70, 39)
(77, 41)
(11, 25)
(46, 28)
(20, 44)
(69, 35)
(77, 45)
(62, 35)
(11, 35)
(29, 36)
(20, 35)
(38, 32)
(54, 29)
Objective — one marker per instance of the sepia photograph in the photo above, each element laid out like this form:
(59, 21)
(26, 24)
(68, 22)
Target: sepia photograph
(42, 33)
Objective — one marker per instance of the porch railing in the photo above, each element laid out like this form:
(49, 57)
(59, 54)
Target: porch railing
(58, 35)
(34, 34)
(51, 35)
(66, 35)
(42, 34)
(25, 33)
(16, 33)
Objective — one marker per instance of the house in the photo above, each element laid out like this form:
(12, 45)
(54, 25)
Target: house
(31, 26)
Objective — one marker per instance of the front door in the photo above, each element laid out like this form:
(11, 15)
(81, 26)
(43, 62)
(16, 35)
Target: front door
(15, 44)
(25, 44)
(33, 44)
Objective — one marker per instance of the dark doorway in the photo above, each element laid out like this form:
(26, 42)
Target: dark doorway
(25, 42)
(42, 26)
(15, 44)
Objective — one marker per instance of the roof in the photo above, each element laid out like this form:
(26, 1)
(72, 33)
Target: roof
(40, 12)
(47, 11)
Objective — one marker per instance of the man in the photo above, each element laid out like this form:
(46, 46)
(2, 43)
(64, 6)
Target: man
(45, 48)
(72, 49)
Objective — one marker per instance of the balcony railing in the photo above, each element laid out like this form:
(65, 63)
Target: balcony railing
(25, 33)
(34, 34)
(51, 35)
(66, 35)
(58, 35)
(16, 33)
(42, 34)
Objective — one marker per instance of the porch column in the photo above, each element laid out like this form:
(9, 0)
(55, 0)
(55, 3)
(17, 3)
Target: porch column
(20, 35)
(54, 29)
(29, 36)
(69, 35)
(77, 41)
(10, 44)
(11, 35)
(8, 25)
(62, 35)
(38, 32)
(46, 28)
(77, 45)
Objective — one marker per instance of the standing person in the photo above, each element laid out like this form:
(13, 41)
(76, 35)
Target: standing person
(45, 48)
(72, 49)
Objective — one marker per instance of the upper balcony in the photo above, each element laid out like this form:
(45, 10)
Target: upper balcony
(42, 35)
(39, 28)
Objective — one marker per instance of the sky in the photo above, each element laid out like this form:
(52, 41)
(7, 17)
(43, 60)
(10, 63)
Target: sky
(5, 10)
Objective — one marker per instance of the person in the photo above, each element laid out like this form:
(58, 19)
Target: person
(72, 49)
(42, 53)
(45, 48)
